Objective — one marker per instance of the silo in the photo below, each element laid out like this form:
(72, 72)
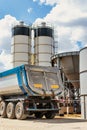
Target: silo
(43, 44)
(21, 44)
(83, 81)
(69, 63)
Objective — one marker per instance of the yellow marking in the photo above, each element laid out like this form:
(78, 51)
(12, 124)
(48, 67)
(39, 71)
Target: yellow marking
(38, 85)
(54, 86)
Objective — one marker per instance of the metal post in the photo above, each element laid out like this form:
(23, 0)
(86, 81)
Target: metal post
(84, 107)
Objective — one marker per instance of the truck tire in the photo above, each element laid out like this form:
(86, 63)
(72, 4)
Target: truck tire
(50, 115)
(38, 115)
(3, 109)
(10, 110)
(19, 111)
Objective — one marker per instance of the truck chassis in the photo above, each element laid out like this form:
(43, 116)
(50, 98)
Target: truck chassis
(21, 107)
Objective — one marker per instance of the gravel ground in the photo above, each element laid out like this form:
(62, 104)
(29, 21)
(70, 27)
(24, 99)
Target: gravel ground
(59, 123)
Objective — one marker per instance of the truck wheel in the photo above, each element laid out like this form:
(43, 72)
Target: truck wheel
(3, 109)
(50, 115)
(10, 110)
(38, 115)
(19, 111)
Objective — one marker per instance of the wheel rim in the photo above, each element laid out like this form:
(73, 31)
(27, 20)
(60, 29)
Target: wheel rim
(3, 109)
(9, 111)
(19, 110)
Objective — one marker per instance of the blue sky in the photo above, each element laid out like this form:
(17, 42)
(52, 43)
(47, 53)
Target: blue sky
(26, 10)
(69, 18)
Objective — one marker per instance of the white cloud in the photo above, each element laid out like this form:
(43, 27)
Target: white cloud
(66, 11)
(70, 20)
(5, 61)
(6, 25)
(5, 32)
(42, 1)
(30, 10)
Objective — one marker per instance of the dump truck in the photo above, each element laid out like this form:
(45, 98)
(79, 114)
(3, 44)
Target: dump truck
(29, 90)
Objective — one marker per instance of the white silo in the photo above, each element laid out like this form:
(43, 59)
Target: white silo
(21, 44)
(83, 81)
(44, 44)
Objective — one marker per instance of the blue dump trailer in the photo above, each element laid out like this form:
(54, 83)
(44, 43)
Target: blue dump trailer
(29, 90)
